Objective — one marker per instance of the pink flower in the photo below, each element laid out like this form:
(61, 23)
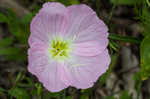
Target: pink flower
(68, 46)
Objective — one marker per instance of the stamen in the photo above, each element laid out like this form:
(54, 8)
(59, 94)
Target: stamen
(59, 49)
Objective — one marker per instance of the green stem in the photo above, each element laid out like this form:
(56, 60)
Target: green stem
(129, 39)
(139, 90)
(148, 2)
(111, 13)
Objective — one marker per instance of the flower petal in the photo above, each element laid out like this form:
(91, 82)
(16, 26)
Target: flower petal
(51, 77)
(37, 58)
(85, 25)
(89, 48)
(65, 75)
(86, 70)
(52, 74)
(51, 20)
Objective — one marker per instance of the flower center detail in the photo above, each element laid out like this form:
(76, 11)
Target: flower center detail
(59, 49)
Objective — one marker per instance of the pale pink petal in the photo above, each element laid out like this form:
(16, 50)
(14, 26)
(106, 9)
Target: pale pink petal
(37, 58)
(52, 74)
(65, 75)
(51, 77)
(85, 25)
(89, 48)
(51, 20)
(86, 70)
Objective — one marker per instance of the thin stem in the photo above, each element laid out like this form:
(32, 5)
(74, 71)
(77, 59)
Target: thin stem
(63, 94)
(111, 13)
(138, 90)
(148, 2)
(129, 39)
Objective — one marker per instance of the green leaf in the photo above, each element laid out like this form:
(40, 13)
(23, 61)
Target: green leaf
(39, 88)
(68, 2)
(15, 28)
(137, 83)
(128, 39)
(148, 2)
(48, 95)
(2, 90)
(109, 97)
(137, 80)
(9, 51)
(18, 77)
(27, 18)
(84, 96)
(145, 58)
(125, 2)
(14, 24)
(19, 56)
(144, 16)
(51, 0)
(28, 80)
(6, 42)
(2, 93)
(74, 2)
(125, 95)
(86, 91)
(65, 2)
(3, 18)
(67, 97)
(19, 27)
(19, 93)
(114, 45)
(12, 53)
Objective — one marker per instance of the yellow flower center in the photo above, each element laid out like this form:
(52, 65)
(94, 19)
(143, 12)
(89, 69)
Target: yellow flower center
(60, 49)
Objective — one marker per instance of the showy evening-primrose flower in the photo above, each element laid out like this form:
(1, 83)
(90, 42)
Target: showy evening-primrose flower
(68, 46)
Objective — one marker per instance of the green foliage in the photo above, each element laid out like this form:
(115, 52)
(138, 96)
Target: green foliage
(19, 93)
(114, 45)
(48, 95)
(67, 2)
(15, 46)
(2, 90)
(125, 2)
(148, 2)
(27, 19)
(6, 42)
(137, 80)
(133, 40)
(137, 83)
(84, 96)
(144, 16)
(39, 88)
(145, 58)
(109, 97)
(29, 83)
(125, 95)
(85, 93)
(19, 27)
(18, 77)
(9, 51)
(68, 97)
(3, 18)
